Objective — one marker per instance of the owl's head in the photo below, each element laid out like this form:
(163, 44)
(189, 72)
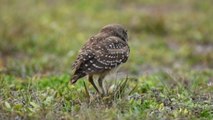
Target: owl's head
(115, 30)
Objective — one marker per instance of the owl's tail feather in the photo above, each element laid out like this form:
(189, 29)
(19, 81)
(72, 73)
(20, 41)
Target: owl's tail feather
(75, 78)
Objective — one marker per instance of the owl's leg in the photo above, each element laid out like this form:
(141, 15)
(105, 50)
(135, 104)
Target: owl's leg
(100, 82)
(93, 84)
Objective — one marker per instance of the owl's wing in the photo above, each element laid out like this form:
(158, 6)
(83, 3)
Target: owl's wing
(85, 54)
(101, 55)
(112, 52)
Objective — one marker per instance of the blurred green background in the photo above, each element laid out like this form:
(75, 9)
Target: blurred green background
(170, 40)
(45, 36)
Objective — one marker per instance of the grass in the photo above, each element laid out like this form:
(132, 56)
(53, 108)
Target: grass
(170, 70)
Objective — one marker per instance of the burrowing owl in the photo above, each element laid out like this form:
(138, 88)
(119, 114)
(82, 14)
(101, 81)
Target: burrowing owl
(102, 53)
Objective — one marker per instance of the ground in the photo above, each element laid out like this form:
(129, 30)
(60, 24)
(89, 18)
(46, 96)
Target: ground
(169, 74)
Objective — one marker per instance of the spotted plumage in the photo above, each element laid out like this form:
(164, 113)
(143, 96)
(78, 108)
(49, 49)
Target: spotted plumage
(102, 53)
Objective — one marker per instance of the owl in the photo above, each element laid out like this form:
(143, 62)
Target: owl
(101, 54)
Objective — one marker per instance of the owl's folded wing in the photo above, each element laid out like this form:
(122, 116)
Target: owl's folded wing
(113, 51)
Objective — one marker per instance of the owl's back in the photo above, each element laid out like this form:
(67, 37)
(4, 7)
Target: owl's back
(100, 54)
